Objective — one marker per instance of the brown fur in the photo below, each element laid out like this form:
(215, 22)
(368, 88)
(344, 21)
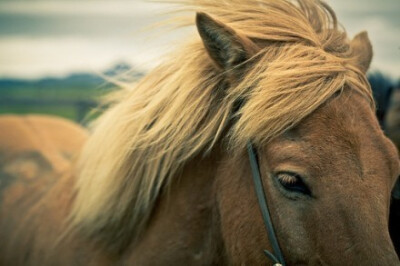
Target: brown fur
(35, 152)
(330, 148)
(164, 178)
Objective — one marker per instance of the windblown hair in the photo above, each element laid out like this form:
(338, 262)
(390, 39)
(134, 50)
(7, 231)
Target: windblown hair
(184, 107)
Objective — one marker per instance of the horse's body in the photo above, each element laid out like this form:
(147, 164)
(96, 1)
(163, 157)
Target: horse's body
(164, 178)
(34, 151)
(36, 155)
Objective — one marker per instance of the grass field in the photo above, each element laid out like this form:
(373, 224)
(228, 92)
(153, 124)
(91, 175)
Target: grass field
(71, 98)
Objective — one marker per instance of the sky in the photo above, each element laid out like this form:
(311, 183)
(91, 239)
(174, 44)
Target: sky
(56, 37)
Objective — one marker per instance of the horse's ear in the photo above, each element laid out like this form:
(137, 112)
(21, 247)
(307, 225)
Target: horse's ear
(225, 46)
(362, 50)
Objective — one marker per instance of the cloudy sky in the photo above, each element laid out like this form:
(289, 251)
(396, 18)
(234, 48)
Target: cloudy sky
(56, 37)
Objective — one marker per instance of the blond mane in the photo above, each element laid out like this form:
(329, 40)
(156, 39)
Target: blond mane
(181, 109)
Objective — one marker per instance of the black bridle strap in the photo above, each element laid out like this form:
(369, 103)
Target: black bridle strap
(262, 202)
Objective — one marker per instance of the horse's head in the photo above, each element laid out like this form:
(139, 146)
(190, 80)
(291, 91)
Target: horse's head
(280, 75)
(328, 177)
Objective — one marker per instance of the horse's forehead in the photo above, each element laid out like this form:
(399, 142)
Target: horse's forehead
(345, 131)
(346, 118)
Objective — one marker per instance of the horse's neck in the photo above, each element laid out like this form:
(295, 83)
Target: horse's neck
(184, 229)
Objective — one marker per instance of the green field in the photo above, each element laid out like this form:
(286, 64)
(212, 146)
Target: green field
(69, 98)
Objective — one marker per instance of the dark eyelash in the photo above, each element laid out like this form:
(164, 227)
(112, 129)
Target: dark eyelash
(292, 182)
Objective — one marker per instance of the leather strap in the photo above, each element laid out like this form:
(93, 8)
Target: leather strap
(262, 202)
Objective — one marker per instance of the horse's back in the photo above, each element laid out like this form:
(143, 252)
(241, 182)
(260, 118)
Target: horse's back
(35, 152)
(57, 139)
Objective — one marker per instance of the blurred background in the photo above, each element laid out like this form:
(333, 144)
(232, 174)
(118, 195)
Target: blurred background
(54, 54)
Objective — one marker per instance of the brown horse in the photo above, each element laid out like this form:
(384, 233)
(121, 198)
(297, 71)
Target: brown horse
(164, 178)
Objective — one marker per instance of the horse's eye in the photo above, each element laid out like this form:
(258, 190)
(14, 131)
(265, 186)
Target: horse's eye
(292, 182)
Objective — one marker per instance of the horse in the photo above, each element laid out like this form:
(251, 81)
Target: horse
(269, 89)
